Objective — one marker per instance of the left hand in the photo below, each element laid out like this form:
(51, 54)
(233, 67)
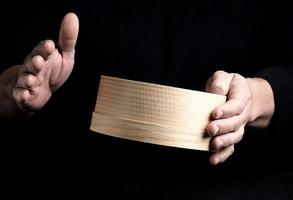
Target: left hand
(230, 118)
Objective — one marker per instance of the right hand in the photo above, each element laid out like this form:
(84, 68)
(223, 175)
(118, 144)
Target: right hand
(229, 119)
(46, 68)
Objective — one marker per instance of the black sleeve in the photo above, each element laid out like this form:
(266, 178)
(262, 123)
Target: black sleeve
(280, 75)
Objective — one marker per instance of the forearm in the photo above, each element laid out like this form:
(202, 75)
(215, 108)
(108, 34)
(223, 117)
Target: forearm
(8, 106)
(262, 103)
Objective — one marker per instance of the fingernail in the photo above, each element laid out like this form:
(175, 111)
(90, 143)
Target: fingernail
(218, 114)
(215, 130)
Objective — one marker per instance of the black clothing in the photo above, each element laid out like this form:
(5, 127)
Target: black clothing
(176, 43)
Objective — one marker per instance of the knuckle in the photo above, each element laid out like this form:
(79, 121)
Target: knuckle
(238, 76)
(219, 73)
(218, 86)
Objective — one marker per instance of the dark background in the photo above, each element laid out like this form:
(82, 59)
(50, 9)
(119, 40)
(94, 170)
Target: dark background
(170, 43)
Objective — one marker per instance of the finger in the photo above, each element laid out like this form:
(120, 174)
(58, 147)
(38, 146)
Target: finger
(48, 49)
(238, 97)
(27, 81)
(44, 49)
(230, 108)
(227, 125)
(21, 96)
(34, 65)
(68, 33)
(219, 83)
(228, 139)
(221, 156)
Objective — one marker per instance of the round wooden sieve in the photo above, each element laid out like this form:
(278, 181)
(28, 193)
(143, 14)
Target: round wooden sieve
(154, 113)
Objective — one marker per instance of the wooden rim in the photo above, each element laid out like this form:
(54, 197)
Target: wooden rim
(154, 113)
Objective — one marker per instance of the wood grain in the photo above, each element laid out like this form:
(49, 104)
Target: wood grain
(154, 113)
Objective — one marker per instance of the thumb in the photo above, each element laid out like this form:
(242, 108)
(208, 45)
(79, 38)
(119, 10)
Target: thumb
(68, 33)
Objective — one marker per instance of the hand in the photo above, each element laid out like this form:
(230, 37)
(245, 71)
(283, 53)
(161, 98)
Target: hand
(230, 119)
(46, 68)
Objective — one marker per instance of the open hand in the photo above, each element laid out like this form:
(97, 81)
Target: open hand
(46, 68)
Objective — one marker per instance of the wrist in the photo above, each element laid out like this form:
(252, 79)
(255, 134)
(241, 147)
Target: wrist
(262, 105)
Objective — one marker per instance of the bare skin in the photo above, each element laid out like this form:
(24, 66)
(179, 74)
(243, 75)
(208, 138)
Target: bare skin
(250, 101)
(26, 88)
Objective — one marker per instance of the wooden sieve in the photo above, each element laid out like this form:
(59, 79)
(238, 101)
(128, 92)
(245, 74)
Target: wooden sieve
(154, 113)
